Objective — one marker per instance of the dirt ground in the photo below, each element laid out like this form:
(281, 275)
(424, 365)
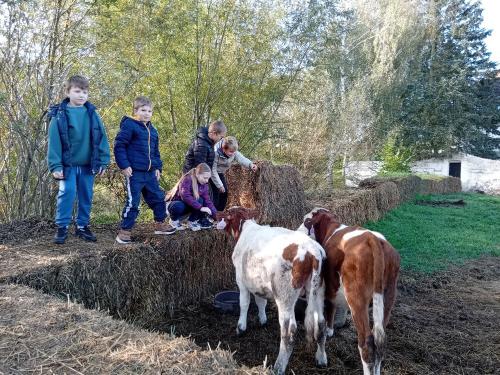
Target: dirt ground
(446, 323)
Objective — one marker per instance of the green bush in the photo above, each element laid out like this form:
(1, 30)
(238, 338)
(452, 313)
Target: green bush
(395, 158)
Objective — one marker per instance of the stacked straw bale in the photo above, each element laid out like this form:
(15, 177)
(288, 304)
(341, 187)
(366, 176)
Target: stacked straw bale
(409, 186)
(352, 206)
(440, 185)
(276, 191)
(378, 195)
(143, 282)
(42, 334)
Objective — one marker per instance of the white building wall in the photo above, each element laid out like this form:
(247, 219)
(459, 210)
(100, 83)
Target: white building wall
(356, 171)
(476, 173)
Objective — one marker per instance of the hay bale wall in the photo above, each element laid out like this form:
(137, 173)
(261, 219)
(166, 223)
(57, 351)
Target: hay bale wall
(143, 282)
(276, 191)
(378, 195)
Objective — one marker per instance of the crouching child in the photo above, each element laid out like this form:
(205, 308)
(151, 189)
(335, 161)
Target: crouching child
(190, 196)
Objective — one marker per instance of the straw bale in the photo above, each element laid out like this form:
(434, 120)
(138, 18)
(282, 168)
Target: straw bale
(352, 206)
(442, 185)
(145, 281)
(411, 185)
(387, 196)
(275, 190)
(42, 334)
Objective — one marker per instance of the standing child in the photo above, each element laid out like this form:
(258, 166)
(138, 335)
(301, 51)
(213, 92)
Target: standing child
(190, 195)
(78, 149)
(137, 154)
(201, 149)
(226, 152)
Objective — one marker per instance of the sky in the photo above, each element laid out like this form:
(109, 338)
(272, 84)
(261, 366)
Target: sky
(491, 15)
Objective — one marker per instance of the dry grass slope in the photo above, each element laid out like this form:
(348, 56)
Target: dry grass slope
(42, 334)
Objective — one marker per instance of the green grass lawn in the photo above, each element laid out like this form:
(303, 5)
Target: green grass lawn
(431, 238)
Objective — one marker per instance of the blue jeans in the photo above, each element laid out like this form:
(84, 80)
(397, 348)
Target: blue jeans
(147, 184)
(78, 182)
(178, 209)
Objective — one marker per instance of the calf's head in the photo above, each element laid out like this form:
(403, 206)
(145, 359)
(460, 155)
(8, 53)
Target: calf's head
(317, 222)
(232, 220)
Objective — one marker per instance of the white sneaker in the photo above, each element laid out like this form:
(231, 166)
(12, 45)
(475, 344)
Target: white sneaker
(194, 226)
(177, 224)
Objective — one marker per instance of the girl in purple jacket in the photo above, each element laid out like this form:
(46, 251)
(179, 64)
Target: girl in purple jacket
(190, 196)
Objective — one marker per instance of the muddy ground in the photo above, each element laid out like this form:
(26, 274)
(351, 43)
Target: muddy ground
(445, 323)
(448, 323)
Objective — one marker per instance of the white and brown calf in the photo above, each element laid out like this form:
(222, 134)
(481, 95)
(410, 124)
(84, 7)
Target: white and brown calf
(365, 267)
(277, 263)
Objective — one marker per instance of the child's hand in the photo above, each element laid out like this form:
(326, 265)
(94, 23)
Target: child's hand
(253, 167)
(222, 190)
(127, 172)
(101, 171)
(157, 174)
(206, 210)
(58, 175)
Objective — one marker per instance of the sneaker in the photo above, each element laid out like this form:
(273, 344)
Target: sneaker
(177, 225)
(205, 223)
(194, 226)
(124, 236)
(164, 228)
(85, 233)
(61, 235)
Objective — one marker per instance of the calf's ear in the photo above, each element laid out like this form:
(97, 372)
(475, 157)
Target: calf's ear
(222, 215)
(221, 225)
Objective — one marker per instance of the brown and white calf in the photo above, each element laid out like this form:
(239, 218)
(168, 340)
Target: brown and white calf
(277, 263)
(365, 267)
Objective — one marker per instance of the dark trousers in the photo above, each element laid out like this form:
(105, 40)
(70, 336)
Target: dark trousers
(178, 209)
(144, 183)
(219, 199)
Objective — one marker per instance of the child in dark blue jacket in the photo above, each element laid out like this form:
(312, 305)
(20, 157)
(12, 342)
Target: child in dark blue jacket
(137, 154)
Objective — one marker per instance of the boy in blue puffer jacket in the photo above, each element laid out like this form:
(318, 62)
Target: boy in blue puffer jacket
(78, 149)
(137, 154)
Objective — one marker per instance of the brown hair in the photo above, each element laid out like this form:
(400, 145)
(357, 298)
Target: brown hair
(217, 127)
(141, 101)
(77, 81)
(199, 169)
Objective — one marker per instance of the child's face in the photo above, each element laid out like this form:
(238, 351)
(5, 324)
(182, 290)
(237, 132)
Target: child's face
(203, 178)
(228, 151)
(144, 113)
(77, 96)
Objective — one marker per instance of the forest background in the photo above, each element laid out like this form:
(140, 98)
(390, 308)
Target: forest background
(311, 83)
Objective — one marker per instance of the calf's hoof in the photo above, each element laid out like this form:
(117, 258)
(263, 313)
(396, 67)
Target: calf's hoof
(321, 364)
(240, 332)
(329, 332)
(321, 360)
(277, 370)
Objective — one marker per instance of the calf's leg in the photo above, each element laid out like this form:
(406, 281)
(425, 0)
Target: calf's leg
(244, 303)
(261, 304)
(359, 310)
(288, 328)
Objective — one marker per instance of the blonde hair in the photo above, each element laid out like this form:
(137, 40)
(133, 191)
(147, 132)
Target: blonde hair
(141, 101)
(199, 169)
(230, 143)
(217, 127)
